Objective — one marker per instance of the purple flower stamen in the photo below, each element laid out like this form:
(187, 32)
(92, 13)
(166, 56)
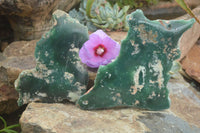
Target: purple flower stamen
(100, 50)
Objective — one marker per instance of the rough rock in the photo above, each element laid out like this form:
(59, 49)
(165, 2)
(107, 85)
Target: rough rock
(5, 30)
(182, 117)
(18, 56)
(190, 37)
(66, 5)
(139, 76)
(171, 9)
(31, 18)
(20, 48)
(3, 45)
(58, 74)
(13, 62)
(166, 9)
(185, 100)
(8, 95)
(193, 3)
(190, 49)
(117, 36)
(191, 63)
(1, 57)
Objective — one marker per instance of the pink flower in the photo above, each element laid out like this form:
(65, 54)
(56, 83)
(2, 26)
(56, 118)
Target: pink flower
(100, 49)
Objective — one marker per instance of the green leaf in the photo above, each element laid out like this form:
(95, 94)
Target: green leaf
(8, 129)
(96, 21)
(125, 8)
(4, 122)
(89, 8)
(102, 26)
(187, 9)
(115, 9)
(102, 12)
(99, 18)
(120, 14)
(13, 126)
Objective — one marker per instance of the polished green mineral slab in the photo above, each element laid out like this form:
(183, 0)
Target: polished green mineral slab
(59, 73)
(139, 76)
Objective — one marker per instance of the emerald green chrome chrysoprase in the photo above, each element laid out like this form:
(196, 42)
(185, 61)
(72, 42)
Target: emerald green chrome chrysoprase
(139, 76)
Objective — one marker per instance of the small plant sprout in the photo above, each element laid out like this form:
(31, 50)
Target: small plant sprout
(8, 129)
(183, 5)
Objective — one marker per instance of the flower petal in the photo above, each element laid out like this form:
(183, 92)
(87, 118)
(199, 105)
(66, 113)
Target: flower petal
(99, 33)
(111, 45)
(91, 43)
(84, 54)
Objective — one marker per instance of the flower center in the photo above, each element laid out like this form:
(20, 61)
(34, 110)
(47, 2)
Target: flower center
(100, 50)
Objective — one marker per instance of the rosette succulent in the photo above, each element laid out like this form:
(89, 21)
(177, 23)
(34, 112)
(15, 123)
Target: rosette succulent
(100, 14)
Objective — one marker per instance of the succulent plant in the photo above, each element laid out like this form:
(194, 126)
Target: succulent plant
(112, 18)
(133, 3)
(82, 17)
(101, 14)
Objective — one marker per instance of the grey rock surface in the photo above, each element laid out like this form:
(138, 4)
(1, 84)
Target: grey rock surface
(191, 36)
(166, 123)
(191, 63)
(1, 57)
(8, 95)
(18, 56)
(182, 117)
